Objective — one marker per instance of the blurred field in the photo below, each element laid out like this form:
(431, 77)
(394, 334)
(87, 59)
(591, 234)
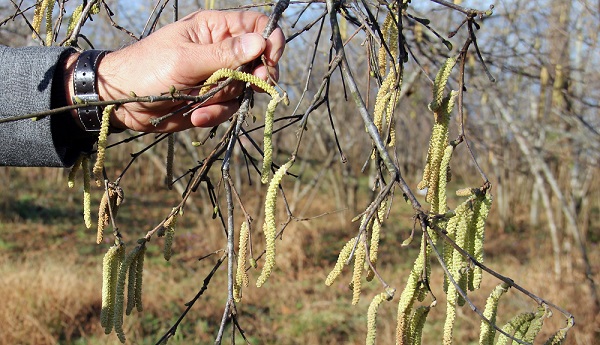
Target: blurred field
(51, 275)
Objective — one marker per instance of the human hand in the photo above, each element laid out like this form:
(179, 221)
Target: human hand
(184, 54)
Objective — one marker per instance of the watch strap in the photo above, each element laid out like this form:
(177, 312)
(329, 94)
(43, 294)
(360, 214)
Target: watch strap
(84, 84)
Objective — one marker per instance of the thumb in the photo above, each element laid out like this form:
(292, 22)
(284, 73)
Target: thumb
(229, 53)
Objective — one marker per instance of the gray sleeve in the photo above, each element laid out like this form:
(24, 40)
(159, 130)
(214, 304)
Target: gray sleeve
(26, 86)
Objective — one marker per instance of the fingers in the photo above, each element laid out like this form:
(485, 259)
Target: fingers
(214, 114)
(229, 53)
(275, 47)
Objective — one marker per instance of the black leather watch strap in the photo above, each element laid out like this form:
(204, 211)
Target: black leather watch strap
(84, 84)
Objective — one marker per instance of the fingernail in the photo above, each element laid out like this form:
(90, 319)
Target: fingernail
(252, 45)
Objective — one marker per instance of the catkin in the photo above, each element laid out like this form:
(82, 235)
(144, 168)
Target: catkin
(464, 192)
(448, 248)
(372, 317)
(87, 197)
(102, 143)
(437, 146)
(458, 262)
(74, 169)
(103, 217)
(110, 270)
(479, 238)
(111, 200)
(341, 261)
(451, 300)
(441, 205)
(359, 264)
(382, 99)
(440, 82)
(169, 235)
(131, 276)
(74, 19)
(269, 115)
(518, 322)
(38, 14)
(382, 54)
(375, 237)
(488, 332)
(407, 298)
(49, 29)
(241, 276)
(557, 338)
(536, 325)
(120, 292)
(269, 226)
(139, 274)
(417, 321)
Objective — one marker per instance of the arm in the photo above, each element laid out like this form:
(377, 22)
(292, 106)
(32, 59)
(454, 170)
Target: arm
(31, 81)
(181, 54)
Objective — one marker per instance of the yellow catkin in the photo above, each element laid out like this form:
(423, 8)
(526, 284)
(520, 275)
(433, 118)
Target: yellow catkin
(102, 143)
(458, 261)
(382, 99)
(87, 197)
(455, 267)
(438, 144)
(103, 217)
(451, 299)
(74, 19)
(139, 275)
(464, 192)
(49, 28)
(392, 142)
(359, 264)
(120, 292)
(237, 75)
(407, 298)
(269, 227)
(169, 236)
(536, 325)
(440, 82)
(110, 270)
(375, 237)
(557, 338)
(484, 211)
(269, 115)
(518, 322)
(38, 14)
(74, 169)
(114, 197)
(383, 55)
(341, 261)
(241, 276)
(488, 332)
(441, 206)
(170, 157)
(469, 245)
(417, 321)
(448, 248)
(372, 317)
(268, 141)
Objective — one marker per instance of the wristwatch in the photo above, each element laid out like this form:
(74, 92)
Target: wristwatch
(84, 84)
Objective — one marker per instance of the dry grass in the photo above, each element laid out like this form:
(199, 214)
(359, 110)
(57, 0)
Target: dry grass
(51, 274)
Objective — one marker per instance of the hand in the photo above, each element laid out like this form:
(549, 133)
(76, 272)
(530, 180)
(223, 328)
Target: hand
(184, 54)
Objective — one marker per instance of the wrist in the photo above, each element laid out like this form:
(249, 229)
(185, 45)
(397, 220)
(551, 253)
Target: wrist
(107, 79)
(70, 92)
